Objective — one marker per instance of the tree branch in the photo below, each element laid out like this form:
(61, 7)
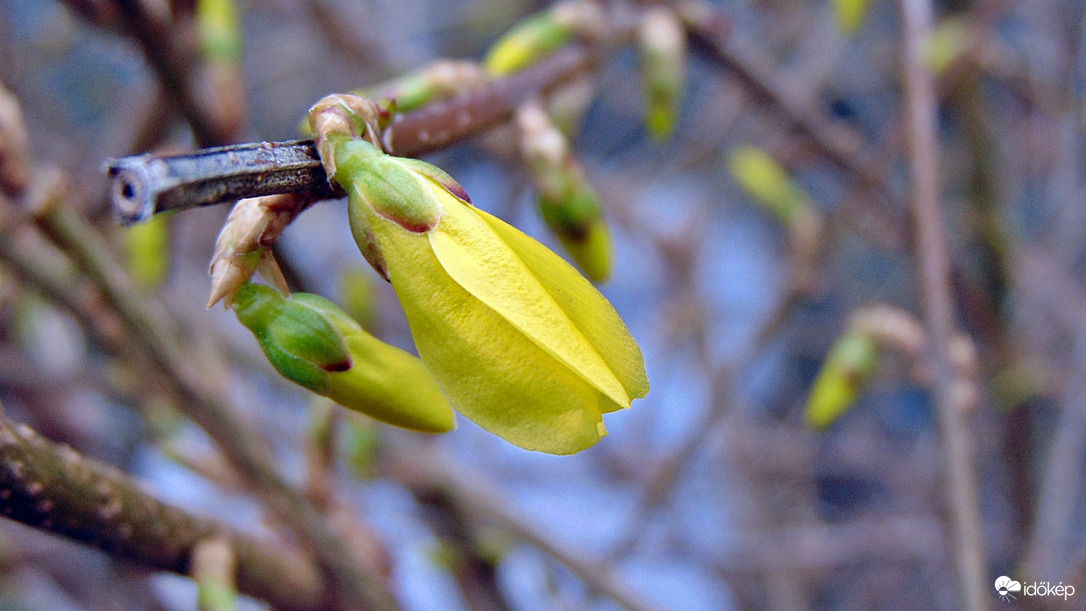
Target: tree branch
(934, 270)
(173, 65)
(54, 488)
(432, 476)
(147, 325)
(144, 185)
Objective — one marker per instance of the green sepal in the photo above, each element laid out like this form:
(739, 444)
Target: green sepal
(300, 342)
(437, 175)
(391, 188)
(344, 323)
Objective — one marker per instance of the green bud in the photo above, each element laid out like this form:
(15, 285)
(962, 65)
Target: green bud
(148, 250)
(529, 41)
(315, 344)
(769, 184)
(946, 42)
(438, 81)
(300, 342)
(577, 221)
(663, 65)
(391, 186)
(539, 34)
(567, 202)
(217, 24)
(850, 14)
(848, 368)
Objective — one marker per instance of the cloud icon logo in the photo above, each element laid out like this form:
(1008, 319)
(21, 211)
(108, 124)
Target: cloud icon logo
(1005, 585)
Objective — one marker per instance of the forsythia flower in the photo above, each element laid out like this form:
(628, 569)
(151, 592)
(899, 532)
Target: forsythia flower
(312, 342)
(517, 339)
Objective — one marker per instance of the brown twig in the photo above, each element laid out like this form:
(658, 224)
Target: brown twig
(172, 64)
(54, 488)
(156, 336)
(148, 184)
(203, 401)
(429, 474)
(710, 37)
(933, 261)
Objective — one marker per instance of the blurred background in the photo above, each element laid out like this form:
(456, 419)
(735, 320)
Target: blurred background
(749, 246)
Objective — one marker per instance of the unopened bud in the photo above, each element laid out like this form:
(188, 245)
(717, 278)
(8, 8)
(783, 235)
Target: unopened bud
(567, 202)
(541, 33)
(850, 14)
(769, 185)
(663, 65)
(439, 81)
(310, 341)
(847, 369)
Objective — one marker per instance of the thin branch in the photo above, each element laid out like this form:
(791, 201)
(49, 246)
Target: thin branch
(710, 36)
(147, 184)
(208, 405)
(429, 474)
(144, 185)
(173, 65)
(54, 488)
(932, 251)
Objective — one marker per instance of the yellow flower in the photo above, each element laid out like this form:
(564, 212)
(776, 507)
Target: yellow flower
(517, 339)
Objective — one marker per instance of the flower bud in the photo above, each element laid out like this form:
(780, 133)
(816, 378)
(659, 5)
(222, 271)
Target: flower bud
(539, 34)
(850, 14)
(847, 369)
(147, 250)
(769, 185)
(315, 344)
(663, 68)
(567, 202)
(440, 80)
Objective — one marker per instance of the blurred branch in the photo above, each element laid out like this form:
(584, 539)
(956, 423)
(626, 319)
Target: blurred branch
(146, 324)
(173, 62)
(203, 401)
(711, 37)
(54, 488)
(429, 474)
(934, 277)
(826, 546)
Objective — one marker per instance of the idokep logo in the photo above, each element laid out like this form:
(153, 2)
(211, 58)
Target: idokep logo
(1007, 587)
(1004, 586)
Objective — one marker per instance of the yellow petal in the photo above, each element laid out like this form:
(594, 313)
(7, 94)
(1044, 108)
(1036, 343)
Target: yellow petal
(490, 371)
(481, 262)
(586, 308)
(392, 386)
